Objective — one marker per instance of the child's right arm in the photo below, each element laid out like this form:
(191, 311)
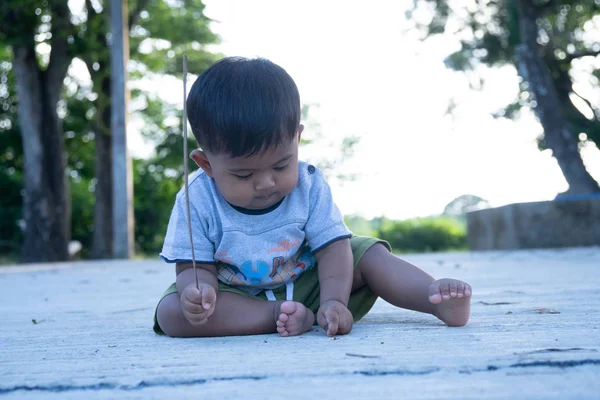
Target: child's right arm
(198, 304)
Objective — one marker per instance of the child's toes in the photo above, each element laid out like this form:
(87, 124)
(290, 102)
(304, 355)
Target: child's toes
(460, 289)
(435, 296)
(445, 290)
(453, 289)
(468, 290)
(288, 307)
(283, 317)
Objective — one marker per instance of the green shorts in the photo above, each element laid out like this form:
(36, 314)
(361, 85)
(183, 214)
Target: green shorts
(306, 286)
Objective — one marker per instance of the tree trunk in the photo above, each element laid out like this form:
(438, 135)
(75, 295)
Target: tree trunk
(46, 208)
(103, 211)
(557, 131)
(564, 87)
(102, 241)
(102, 244)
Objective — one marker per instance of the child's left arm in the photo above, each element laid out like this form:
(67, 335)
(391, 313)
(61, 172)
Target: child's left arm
(328, 237)
(335, 279)
(335, 271)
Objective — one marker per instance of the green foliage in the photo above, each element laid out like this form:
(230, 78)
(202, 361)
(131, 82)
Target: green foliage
(360, 226)
(82, 213)
(29, 13)
(162, 125)
(80, 165)
(425, 234)
(79, 135)
(155, 195)
(418, 235)
(165, 30)
(161, 31)
(81, 158)
(490, 31)
(11, 161)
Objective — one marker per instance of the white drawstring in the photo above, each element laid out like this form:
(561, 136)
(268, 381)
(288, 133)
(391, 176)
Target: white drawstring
(289, 292)
(270, 295)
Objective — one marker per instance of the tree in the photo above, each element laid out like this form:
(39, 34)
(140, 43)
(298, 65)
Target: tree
(543, 39)
(161, 32)
(80, 162)
(38, 82)
(11, 160)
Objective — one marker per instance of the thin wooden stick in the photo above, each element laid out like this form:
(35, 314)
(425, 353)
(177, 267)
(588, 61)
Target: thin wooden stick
(185, 166)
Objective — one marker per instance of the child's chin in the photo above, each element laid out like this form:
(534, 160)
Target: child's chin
(259, 204)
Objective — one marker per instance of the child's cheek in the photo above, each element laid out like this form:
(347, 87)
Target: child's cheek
(291, 181)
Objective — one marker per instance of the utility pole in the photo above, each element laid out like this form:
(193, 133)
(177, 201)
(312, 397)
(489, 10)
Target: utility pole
(122, 180)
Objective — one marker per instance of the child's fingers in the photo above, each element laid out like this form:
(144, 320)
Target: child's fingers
(333, 321)
(345, 325)
(193, 295)
(192, 308)
(321, 320)
(195, 319)
(208, 297)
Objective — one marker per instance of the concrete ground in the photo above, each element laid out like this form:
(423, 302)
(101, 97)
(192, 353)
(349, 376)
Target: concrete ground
(83, 329)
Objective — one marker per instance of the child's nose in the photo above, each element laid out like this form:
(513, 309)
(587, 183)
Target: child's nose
(265, 182)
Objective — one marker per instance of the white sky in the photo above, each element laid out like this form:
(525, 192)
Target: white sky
(374, 80)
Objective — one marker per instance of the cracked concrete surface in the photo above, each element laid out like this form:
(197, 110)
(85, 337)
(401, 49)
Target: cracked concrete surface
(84, 329)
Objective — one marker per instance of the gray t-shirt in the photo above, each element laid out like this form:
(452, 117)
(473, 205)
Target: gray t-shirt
(255, 252)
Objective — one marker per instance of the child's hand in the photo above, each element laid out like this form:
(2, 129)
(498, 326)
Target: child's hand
(198, 305)
(335, 318)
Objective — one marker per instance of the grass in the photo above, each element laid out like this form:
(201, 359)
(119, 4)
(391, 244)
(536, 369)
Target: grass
(8, 259)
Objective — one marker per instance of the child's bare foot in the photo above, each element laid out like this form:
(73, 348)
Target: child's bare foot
(294, 319)
(451, 301)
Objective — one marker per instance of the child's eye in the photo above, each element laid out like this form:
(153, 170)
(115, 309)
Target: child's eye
(281, 168)
(242, 177)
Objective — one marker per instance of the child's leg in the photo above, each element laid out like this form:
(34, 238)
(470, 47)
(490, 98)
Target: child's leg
(236, 315)
(406, 286)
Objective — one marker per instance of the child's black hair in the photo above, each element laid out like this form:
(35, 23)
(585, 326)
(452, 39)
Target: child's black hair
(243, 106)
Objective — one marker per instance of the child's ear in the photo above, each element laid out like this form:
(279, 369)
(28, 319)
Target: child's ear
(201, 160)
(300, 130)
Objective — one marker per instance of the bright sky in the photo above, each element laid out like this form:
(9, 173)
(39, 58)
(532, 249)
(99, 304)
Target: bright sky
(374, 80)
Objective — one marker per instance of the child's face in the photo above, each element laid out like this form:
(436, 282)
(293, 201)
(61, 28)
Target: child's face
(255, 182)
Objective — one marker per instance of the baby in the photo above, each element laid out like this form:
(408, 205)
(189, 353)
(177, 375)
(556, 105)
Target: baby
(273, 253)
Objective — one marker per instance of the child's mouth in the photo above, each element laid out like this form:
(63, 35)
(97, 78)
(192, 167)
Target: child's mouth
(265, 198)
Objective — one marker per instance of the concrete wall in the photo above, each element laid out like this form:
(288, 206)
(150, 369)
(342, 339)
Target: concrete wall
(561, 223)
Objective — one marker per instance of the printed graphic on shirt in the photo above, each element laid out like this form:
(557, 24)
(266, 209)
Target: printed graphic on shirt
(285, 246)
(267, 273)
